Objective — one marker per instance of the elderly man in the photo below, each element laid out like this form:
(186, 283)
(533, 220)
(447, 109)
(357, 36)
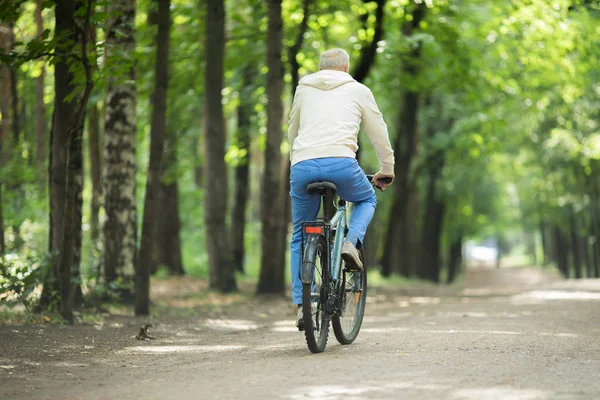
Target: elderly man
(323, 136)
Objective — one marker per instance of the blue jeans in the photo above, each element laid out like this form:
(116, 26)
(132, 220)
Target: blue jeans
(352, 185)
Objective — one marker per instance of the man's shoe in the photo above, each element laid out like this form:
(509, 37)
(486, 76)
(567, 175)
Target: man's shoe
(300, 317)
(300, 320)
(351, 257)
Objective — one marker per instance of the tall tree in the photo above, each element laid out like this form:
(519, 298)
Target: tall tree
(66, 159)
(293, 52)
(120, 226)
(221, 269)
(400, 234)
(369, 50)
(168, 239)
(455, 258)
(272, 277)
(148, 247)
(12, 129)
(2, 240)
(40, 108)
(430, 235)
(94, 149)
(360, 72)
(242, 168)
(4, 123)
(96, 168)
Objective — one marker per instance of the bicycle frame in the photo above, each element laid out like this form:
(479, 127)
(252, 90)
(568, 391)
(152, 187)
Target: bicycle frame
(339, 223)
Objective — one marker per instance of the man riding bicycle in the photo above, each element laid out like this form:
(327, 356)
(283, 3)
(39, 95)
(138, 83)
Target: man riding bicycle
(323, 135)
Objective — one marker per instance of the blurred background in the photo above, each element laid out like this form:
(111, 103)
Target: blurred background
(145, 138)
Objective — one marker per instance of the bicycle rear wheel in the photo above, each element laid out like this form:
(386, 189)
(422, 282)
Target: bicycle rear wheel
(354, 296)
(316, 321)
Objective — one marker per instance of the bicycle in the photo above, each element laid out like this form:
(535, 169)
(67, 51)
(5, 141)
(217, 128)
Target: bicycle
(330, 290)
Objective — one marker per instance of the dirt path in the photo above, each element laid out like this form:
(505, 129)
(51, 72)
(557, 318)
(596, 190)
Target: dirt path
(514, 334)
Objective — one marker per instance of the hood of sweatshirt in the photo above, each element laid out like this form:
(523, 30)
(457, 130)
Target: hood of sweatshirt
(326, 79)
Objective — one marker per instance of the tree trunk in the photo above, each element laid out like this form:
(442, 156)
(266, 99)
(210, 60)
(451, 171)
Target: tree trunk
(120, 225)
(595, 226)
(286, 163)
(95, 166)
(198, 162)
(66, 160)
(169, 242)
(40, 108)
(221, 269)
(272, 277)
(58, 161)
(429, 267)
(242, 169)
(149, 253)
(455, 259)
(4, 123)
(431, 231)
(14, 96)
(13, 143)
(397, 245)
(585, 254)
(2, 241)
(75, 200)
(545, 244)
(369, 51)
(402, 226)
(575, 248)
(5, 43)
(562, 252)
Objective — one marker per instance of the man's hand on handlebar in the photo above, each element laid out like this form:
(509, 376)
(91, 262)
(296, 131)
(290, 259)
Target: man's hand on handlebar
(382, 181)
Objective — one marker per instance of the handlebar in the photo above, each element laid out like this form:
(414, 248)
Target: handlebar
(385, 180)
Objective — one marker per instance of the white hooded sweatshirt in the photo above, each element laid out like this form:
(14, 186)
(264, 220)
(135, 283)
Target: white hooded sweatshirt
(326, 115)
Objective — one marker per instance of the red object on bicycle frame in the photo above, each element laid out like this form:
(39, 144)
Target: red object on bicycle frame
(312, 230)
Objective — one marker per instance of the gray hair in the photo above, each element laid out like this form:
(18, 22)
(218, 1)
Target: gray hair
(334, 59)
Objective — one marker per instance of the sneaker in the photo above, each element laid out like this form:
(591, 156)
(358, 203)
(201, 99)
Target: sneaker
(300, 316)
(351, 257)
(300, 319)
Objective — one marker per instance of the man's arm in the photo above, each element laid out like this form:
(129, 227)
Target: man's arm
(378, 135)
(294, 122)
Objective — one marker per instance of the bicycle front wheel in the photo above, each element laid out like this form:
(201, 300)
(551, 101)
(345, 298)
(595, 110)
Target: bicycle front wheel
(316, 321)
(353, 290)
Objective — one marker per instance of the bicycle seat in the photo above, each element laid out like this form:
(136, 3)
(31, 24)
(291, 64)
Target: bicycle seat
(321, 187)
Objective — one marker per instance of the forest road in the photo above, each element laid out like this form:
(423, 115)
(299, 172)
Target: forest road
(507, 334)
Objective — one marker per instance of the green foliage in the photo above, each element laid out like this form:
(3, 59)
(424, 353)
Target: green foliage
(20, 277)
(516, 112)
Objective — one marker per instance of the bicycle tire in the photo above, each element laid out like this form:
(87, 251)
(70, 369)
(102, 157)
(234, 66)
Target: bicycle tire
(316, 322)
(347, 325)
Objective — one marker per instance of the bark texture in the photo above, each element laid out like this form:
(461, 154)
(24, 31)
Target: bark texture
(168, 240)
(242, 169)
(455, 259)
(221, 269)
(120, 226)
(402, 227)
(562, 251)
(40, 108)
(5, 123)
(272, 277)
(149, 252)
(66, 160)
(96, 171)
